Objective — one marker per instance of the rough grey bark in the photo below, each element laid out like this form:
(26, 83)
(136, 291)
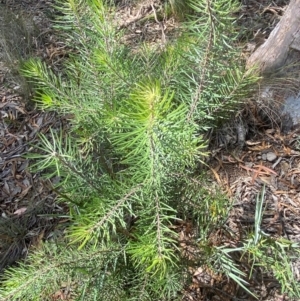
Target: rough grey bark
(282, 48)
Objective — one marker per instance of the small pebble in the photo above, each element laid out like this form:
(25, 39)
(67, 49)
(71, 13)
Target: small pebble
(271, 157)
(249, 164)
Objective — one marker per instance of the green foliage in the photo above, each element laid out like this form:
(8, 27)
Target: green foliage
(82, 270)
(129, 158)
(271, 254)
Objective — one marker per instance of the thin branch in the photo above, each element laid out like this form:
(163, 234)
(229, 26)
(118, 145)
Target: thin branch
(206, 59)
(158, 224)
(161, 25)
(113, 209)
(78, 173)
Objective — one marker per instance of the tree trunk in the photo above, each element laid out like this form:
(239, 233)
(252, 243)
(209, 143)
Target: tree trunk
(282, 48)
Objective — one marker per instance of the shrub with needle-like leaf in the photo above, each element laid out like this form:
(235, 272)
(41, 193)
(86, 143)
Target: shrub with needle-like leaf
(135, 141)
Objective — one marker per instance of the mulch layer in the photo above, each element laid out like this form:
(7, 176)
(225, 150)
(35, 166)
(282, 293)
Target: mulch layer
(27, 203)
(28, 206)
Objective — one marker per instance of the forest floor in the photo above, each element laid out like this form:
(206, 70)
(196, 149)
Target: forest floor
(271, 152)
